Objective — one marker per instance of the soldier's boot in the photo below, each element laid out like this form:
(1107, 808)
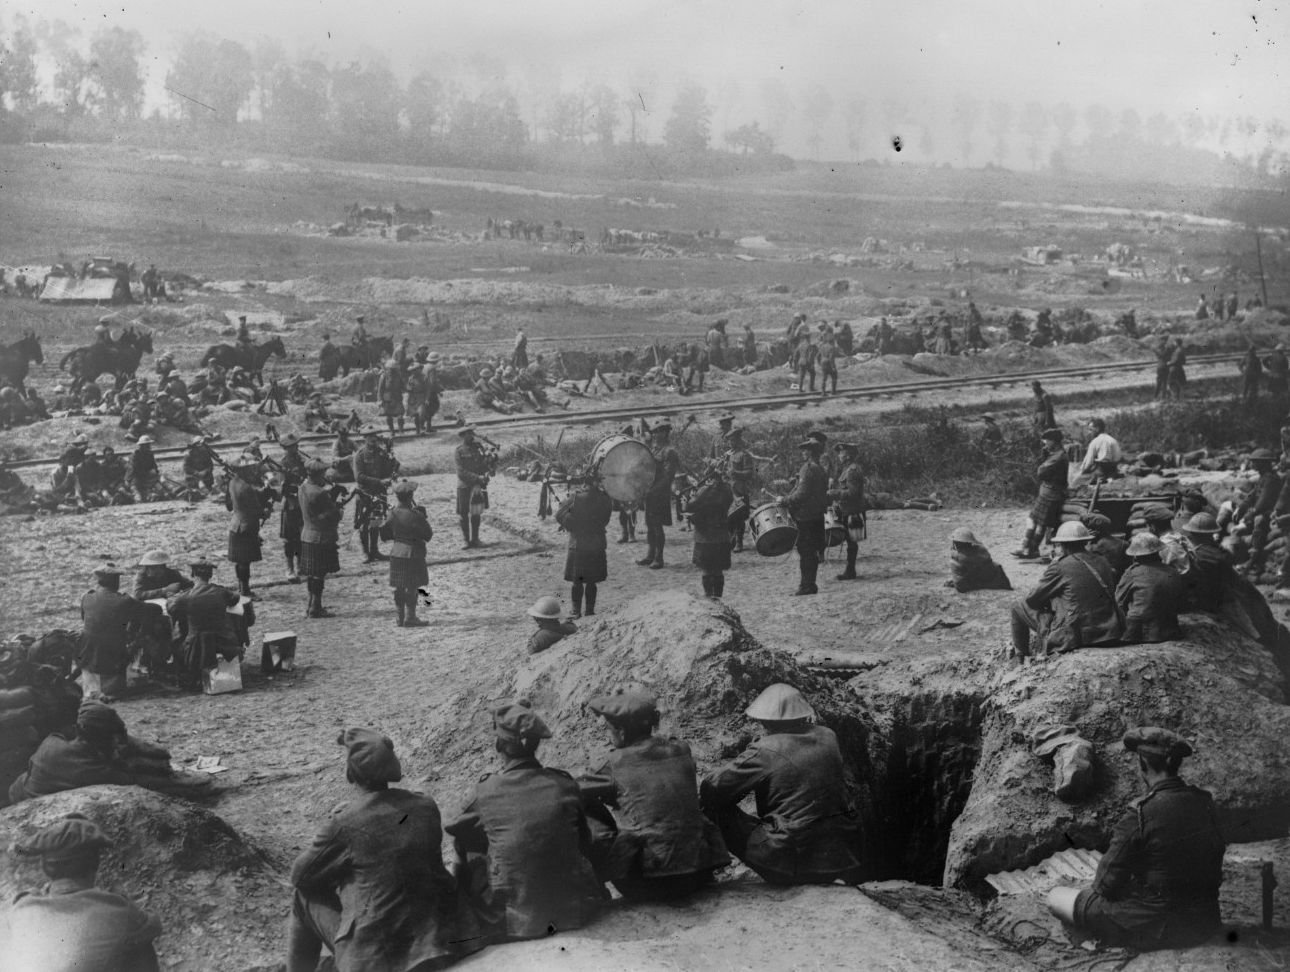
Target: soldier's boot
(398, 605)
(739, 539)
(410, 619)
(1029, 549)
(591, 592)
(658, 554)
(718, 585)
(292, 574)
(850, 572)
(648, 558)
(707, 586)
(807, 574)
(474, 530)
(374, 538)
(243, 572)
(365, 539)
(464, 522)
(575, 598)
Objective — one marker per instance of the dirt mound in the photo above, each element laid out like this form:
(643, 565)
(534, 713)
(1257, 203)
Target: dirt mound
(182, 863)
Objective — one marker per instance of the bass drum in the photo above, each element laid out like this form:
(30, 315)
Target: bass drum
(835, 533)
(774, 532)
(625, 467)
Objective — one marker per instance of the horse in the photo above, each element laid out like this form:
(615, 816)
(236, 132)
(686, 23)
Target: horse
(119, 358)
(251, 358)
(14, 359)
(362, 356)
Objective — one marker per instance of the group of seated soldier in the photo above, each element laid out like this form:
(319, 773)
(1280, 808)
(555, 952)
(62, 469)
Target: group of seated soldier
(508, 390)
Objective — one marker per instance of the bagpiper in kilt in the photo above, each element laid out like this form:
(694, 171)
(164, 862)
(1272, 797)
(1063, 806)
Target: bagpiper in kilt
(292, 466)
(709, 509)
(849, 502)
(374, 467)
(473, 471)
(247, 500)
(584, 515)
(407, 526)
(318, 539)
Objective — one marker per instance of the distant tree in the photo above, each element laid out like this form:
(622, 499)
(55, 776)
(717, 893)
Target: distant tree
(424, 105)
(1160, 129)
(565, 117)
(1064, 119)
(1099, 120)
(211, 79)
(817, 105)
(999, 125)
(488, 128)
(268, 60)
(1193, 127)
(967, 114)
(365, 103)
(114, 61)
(750, 138)
(1130, 125)
(19, 83)
(778, 105)
(1033, 124)
(602, 103)
(688, 129)
(854, 115)
(299, 104)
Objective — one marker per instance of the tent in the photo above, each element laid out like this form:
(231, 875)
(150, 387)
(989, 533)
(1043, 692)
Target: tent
(97, 290)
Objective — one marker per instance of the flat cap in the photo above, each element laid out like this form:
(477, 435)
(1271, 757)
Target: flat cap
(371, 757)
(1158, 514)
(1144, 545)
(1053, 435)
(779, 703)
(1201, 523)
(1097, 522)
(404, 487)
(97, 718)
(67, 839)
(315, 466)
(108, 570)
(516, 719)
(964, 535)
(625, 706)
(1160, 742)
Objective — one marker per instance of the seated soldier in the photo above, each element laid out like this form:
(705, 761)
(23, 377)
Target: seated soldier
(212, 630)
(550, 629)
(73, 924)
(373, 888)
(1160, 521)
(1105, 543)
(656, 843)
(102, 752)
(971, 566)
(806, 829)
(1073, 605)
(1157, 884)
(1211, 577)
(522, 839)
(1150, 594)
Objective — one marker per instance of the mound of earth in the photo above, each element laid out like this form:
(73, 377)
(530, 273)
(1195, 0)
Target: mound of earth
(220, 903)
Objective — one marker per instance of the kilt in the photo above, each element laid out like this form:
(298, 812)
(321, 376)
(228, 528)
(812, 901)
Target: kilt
(1047, 511)
(810, 536)
(244, 548)
(658, 507)
(290, 520)
(711, 558)
(585, 566)
(319, 559)
(464, 494)
(408, 572)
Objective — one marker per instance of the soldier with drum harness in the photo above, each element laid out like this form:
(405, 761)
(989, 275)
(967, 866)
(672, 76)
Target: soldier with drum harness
(658, 500)
(475, 466)
(374, 470)
(320, 516)
(849, 503)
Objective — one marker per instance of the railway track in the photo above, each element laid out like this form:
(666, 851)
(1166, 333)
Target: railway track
(749, 403)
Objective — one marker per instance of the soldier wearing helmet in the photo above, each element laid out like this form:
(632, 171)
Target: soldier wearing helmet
(1073, 605)
(1150, 594)
(550, 629)
(1211, 576)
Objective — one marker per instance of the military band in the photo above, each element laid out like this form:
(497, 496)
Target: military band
(292, 469)
(658, 500)
(474, 469)
(374, 470)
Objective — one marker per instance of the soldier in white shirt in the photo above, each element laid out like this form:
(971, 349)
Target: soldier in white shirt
(1103, 456)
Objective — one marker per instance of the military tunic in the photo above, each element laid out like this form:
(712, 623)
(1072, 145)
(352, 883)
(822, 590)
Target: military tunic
(975, 570)
(472, 475)
(658, 500)
(1078, 591)
(1052, 474)
(585, 515)
(289, 517)
(212, 630)
(409, 529)
(1150, 596)
(390, 391)
(1157, 884)
(807, 504)
(373, 468)
(107, 615)
(1113, 550)
(1210, 578)
(806, 829)
(76, 927)
(318, 539)
(245, 503)
(529, 823)
(709, 510)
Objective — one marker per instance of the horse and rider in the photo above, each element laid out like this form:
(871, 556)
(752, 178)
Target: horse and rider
(245, 354)
(16, 358)
(119, 358)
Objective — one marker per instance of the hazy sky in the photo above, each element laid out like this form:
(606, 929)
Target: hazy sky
(1226, 57)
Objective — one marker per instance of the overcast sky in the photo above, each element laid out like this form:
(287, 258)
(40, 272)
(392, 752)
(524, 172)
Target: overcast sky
(1225, 57)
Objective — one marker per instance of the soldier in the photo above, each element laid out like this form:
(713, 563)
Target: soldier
(292, 468)
(72, 924)
(1211, 577)
(246, 499)
(328, 358)
(1073, 605)
(522, 839)
(64, 479)
(698, 367)
(390, 392)
(373, 473)
(741, 471)
(1105, 544)
(243, 335)
(1178, 369)
(1157, 884)
(849, 502)
(658, 500)
(409, 530)
(709, 509)
(520, 352)
(719, 447)
(474, 468)
(846, 339)
(804, 355)
(971, 566)
(415, 384)
(433, 390)
(650, 839)
(211, 630)
(107, 615)
(342, 451)
(372, 887)
(805, 830)
(1251, 375)
(545, 612)
(1257, 508)
(157, 579)
(975, 341)
(584, 516)
(1103, 456)
(1163, 353)
(750, 347)
(1053, 475)
(199, 467)
(1150, 594)
(320, 517)
(806, 504)
(1278, 372)
(1160, 522)
(359, 337)
(144, 474)
(1042, 416)
(717, 342)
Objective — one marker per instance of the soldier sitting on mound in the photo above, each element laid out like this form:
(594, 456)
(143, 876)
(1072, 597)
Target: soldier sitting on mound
(1157, 884)
(971, 566)
(1150, 594)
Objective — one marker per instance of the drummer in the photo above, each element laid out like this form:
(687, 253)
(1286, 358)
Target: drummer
(709, 510)
(741, 471)
(658, 501)
(626, 511)
(848, 500)
(807, 504)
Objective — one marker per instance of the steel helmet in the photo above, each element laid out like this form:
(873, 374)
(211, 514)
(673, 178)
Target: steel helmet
(1072, 531)
(780, 703)
(1201, 523)
(545, 607)
(1144, 545)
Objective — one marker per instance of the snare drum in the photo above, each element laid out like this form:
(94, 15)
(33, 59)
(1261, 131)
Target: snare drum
(834, 532)
(625, 467)
(774, 532)
(737, 515)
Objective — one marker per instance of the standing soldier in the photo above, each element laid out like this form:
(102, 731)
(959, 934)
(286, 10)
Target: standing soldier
(290, 520)
(750, 346)
(328, 358)
(1178, 369)
(828, 355)
(1251, 375)
(658, 500)
(848, 500)
(1278, 369)
(211, 630)
(144, 474)
(807, 504)
(390, 392)
(320, 517)
(246, 500)
(416, 388)
(1042, 416)
(409, 530)
(473, 472)
(717, 342)
(434, 389)
(520, 353)
(709, 509)
(974, 340)
(373, 472)
(106, 613)
(585, 515)
(359, 337)
(741, 471)
(804, 359)
(1163, 354)
(1053, 476)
